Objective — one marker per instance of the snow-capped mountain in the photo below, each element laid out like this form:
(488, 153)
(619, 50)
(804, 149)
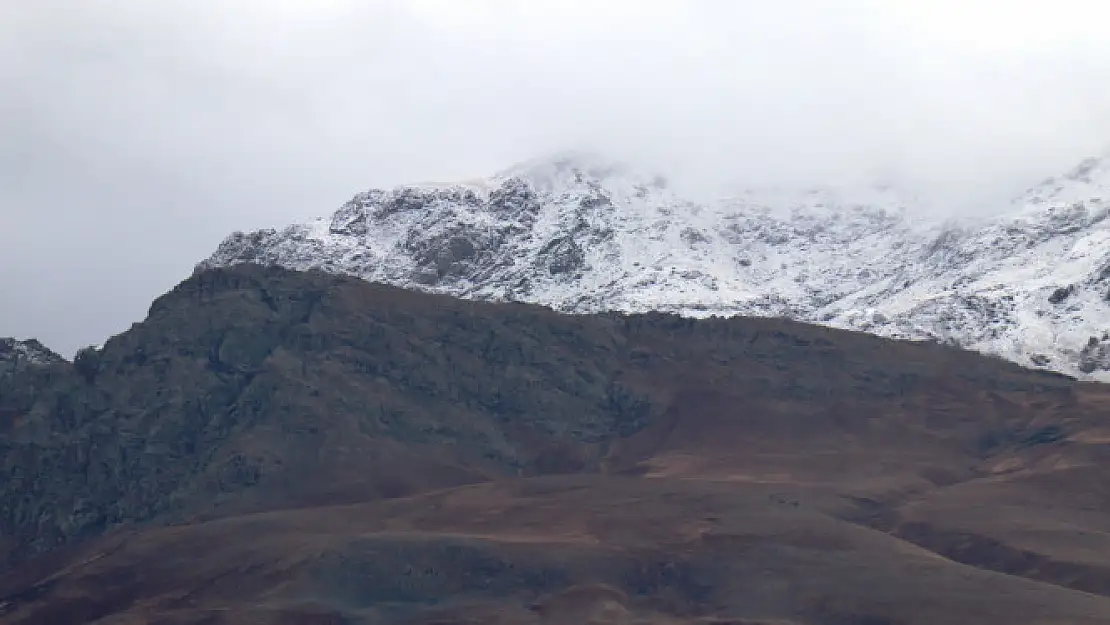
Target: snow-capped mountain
(581, 234)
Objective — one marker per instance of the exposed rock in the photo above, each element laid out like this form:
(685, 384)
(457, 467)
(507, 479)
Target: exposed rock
(693, 236)
(562, 256)
(1095, 355)
(280, 448)
(1061, 294)
(452, 252)
(241, 378)
(353, 219)
(16, 355)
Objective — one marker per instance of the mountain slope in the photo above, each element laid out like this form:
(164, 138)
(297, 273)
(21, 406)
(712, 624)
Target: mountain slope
(287, 448)
(239, 376)
(582, 234)
(554, 550)
(1031, 285)
(16, 355)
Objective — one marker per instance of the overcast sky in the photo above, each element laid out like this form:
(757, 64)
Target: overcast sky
(135, 134)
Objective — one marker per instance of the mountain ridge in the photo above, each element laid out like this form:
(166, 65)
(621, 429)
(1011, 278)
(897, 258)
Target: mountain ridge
(583, 234)
(302, 448)
(16, 354)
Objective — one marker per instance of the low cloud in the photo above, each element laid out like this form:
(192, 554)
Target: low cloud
(137, 134)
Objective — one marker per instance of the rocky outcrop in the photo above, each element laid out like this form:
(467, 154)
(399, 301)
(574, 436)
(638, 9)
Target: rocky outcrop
(16, 355)
(1095, 355)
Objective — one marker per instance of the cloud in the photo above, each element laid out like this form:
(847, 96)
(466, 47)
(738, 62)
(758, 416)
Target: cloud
(137, 134)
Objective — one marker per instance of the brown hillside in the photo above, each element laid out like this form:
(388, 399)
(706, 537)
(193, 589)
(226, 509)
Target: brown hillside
(296, 448)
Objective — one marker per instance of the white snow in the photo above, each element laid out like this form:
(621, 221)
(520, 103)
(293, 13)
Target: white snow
(581, 234)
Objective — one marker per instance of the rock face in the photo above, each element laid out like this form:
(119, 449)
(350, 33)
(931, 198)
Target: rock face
(16, 355)
(240, 381)
(240, 376)
(280, 447)
(582, 234)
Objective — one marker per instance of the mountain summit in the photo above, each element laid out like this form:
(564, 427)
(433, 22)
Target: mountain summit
(581, 233)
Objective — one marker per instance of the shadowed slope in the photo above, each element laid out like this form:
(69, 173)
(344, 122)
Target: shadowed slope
(744, 469)
(541, 550)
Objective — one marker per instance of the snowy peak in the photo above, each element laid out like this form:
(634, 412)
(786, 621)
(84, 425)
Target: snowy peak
(566, 172)
(529, 223)
(582, 233)
(1089, 181)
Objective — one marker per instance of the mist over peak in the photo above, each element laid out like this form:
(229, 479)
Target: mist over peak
(128, 119)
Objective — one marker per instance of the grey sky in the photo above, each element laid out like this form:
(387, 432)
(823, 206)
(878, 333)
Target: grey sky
(136, 134)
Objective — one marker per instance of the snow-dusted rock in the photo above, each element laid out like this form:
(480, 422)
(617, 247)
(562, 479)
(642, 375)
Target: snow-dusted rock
(582, 234)
(16, 354)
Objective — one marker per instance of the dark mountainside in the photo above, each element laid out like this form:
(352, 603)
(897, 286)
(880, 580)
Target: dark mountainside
(282, 448)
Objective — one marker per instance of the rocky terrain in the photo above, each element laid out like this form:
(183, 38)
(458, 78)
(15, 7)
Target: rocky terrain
(301, 448)
(582, 234)
(16, 355)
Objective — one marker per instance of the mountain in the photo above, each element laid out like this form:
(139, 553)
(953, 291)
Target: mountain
(16, 355)
(582, 234)
(300, 448)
